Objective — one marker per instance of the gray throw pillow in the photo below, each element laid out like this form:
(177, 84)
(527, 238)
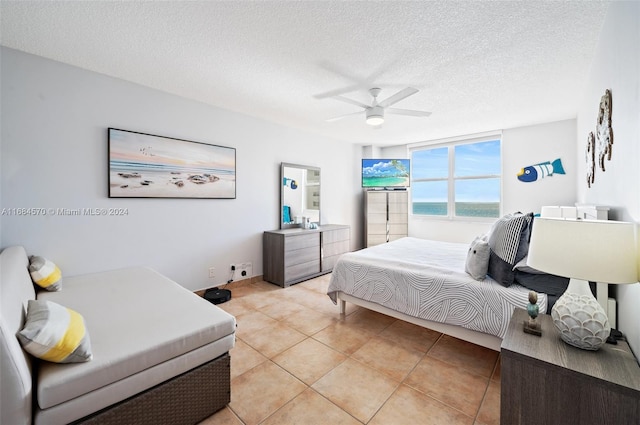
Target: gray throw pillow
(525, 268)
(477, 262)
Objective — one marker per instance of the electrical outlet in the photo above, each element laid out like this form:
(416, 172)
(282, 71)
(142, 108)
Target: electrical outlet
(212, 272)
(242, 270)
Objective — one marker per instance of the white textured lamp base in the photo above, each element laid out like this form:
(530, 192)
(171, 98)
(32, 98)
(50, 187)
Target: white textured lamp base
(582, 322)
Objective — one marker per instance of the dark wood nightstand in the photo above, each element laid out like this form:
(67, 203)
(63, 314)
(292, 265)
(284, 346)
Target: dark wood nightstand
(546, 381)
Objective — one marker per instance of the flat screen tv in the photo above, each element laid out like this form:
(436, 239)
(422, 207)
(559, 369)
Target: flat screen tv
(385, 173)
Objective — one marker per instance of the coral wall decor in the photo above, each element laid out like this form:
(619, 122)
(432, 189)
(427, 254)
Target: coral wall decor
(602, 141)
(591, 159)
(604, 133)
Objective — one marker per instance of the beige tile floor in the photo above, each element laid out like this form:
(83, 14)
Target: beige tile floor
(298, 361)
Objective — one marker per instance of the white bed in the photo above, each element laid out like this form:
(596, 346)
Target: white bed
(424, 282)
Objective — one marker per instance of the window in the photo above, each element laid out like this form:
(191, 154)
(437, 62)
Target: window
(460, 179)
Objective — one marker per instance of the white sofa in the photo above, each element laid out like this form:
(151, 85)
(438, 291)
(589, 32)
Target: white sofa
(160, 352)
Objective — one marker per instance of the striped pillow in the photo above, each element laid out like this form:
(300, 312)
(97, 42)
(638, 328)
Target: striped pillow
(55, 333)
(508, 244)
(45, 273)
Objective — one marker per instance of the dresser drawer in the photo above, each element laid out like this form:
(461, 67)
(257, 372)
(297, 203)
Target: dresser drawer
(302, 241)
(329, 262)
(398, 218)
(338, 235)
(376, 240)
(301, 270)
(335, 248)
(299, 256)
(398, 229)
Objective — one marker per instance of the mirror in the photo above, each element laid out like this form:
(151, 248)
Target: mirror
(299, 195)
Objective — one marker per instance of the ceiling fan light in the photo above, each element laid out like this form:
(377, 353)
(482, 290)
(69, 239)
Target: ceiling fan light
(375, 119)
(375, 115)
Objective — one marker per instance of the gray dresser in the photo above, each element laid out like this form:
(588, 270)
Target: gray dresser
(387, 215)
(293, 255)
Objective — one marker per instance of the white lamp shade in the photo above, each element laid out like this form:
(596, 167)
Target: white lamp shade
(591, 250)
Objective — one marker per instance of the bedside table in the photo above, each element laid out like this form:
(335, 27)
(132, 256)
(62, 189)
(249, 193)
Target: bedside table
(546, 381)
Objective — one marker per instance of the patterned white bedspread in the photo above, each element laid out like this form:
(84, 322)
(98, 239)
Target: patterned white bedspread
(426, 279)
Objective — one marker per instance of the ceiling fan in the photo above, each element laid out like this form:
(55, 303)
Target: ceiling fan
(375, 112)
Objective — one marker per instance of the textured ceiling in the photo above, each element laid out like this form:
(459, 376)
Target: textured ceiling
(479, 65)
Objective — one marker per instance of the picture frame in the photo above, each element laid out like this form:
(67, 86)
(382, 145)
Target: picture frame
(143, 165)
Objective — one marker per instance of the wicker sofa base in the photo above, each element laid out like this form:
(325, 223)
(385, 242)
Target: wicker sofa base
(186, 399)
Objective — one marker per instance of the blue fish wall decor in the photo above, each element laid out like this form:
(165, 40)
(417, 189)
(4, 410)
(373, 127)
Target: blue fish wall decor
(539, 171)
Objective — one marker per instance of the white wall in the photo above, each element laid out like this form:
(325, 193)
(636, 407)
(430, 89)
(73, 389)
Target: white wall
(616, 66)
(54, 120)
(521, 147)
(371, 151)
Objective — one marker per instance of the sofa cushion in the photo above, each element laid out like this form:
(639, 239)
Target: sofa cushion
(45, 273)
(55, 333)
(138, 319)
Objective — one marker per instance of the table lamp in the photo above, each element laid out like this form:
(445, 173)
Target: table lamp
(584, 250)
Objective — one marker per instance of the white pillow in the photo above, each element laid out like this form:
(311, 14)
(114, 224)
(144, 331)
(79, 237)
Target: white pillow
(55, 333)
(477, 263)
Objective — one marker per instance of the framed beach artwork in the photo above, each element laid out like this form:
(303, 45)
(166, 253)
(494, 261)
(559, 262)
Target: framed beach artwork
(147, 166)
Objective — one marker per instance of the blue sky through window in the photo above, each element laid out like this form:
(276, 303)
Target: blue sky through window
(431, 163)
(474, 159)
(477, 159)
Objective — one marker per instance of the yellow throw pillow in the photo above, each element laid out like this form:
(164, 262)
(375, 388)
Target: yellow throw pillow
(45, 273)
(55, 333)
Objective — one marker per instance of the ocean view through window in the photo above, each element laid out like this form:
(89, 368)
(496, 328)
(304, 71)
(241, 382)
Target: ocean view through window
(459, 179)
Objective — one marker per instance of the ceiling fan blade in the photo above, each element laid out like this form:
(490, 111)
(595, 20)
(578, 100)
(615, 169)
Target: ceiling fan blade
(339, 117)
(337, 92)
(354, 82)
(408, 112)
(351, 101)
(398, 97)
